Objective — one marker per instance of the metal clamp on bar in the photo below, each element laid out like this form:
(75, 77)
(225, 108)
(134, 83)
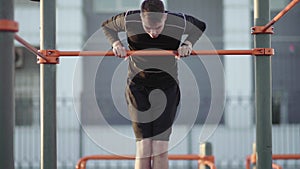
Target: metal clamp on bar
(8, 25)
(51, 55)
(262, 30)
(263, 51)
(208, 158)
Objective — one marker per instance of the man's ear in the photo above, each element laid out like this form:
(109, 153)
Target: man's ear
(141, 15)
(164, 17)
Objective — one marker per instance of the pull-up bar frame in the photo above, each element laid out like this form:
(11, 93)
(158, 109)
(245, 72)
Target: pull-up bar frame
(51, 56)
(280, 14)
(49, 29)
(208, 161)
(251, 159)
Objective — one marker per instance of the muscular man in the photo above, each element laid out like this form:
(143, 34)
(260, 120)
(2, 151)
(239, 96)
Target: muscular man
(153, 113)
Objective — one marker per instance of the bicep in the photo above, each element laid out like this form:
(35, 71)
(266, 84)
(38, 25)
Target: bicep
(194, 28)
(113, 26)
(115, 23)
(193, 24)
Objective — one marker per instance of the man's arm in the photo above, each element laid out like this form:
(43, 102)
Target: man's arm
(194, 29)
(113, 26)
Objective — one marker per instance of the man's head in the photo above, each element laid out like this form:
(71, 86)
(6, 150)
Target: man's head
(153, 17)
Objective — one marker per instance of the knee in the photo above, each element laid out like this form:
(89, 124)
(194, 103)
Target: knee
(160, 148)
(144, 148)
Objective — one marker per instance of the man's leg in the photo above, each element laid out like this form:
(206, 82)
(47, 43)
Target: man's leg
(163, 128)
(160, 154)
(143, 154)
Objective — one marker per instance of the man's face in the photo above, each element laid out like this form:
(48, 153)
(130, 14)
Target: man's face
(154, 28)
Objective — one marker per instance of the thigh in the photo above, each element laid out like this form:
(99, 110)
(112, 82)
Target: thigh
(137, 102)
(146, 124)
(162, 126)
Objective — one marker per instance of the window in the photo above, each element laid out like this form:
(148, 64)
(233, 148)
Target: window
(111, 6)
(26, 88)
(24, 109)
(276, 4)
(276, 110)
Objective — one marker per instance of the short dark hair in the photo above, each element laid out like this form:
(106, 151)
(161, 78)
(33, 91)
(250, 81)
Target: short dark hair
(153, 6)
(152, 9)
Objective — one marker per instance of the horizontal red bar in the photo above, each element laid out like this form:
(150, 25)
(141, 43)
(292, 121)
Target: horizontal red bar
(9, 25)
(286, 157)
(206, 160)
(132, 157)
(155, 53)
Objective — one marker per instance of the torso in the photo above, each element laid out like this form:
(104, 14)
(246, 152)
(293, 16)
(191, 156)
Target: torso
(160, 66)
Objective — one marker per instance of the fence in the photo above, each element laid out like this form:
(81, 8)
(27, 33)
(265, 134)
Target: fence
(230, 145)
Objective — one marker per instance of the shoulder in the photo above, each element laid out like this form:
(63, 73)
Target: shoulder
(174, 14)
(175, 19)
(133, 12)
(132, 15)
(195, 21)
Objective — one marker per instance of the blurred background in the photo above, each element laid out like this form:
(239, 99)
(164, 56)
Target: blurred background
(228, 27)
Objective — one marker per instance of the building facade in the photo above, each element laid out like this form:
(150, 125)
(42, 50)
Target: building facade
(80, 132)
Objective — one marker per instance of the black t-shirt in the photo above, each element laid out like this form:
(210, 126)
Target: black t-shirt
(153, 70)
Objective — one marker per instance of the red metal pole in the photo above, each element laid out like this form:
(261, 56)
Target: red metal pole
(29, 47)
(286, 156)
(248, 162)
(155, 53)
(281, 14)
(207, 160)
(252, 159)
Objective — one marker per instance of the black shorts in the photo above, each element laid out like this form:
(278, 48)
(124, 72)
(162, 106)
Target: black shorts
(152, 121)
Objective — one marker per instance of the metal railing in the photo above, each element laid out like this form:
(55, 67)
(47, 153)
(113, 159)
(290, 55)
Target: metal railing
(202, 160)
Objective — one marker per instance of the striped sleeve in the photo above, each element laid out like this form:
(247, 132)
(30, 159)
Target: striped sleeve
(113, 26)
(194, 28)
